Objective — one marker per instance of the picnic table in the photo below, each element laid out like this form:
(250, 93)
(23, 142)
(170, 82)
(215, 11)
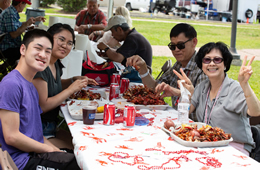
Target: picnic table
(146, 147)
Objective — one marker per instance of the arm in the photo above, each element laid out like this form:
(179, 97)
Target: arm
(23, 27)
(245, 73)
(141, 66)
(82, 28)
(112, 55)
(49, 103)
(13, 137)
(67, 82)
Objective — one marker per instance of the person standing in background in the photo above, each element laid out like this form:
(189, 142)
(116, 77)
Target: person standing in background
(10, 24)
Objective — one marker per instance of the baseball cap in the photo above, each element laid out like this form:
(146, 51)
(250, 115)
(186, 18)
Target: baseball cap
(115, 20)
(26, 1)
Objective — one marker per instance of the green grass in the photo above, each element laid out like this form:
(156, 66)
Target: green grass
(157, 33)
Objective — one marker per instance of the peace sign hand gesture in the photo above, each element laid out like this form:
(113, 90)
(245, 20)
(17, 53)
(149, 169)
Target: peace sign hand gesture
(188, 85)
(245, 71)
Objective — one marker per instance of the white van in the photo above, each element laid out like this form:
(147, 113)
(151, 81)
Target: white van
(117, 3)
(137, 4)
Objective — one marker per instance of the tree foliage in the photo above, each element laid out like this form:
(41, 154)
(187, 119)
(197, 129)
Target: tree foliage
(46, 3)
(72, 5)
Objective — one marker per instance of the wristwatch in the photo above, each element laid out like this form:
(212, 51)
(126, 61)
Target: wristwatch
(106, 49)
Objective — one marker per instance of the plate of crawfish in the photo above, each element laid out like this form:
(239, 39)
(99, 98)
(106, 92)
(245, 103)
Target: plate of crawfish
(88, 95)
(144, 98)
(199, 135)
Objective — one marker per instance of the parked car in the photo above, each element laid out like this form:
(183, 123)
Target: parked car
(165, 6)
(137, 4)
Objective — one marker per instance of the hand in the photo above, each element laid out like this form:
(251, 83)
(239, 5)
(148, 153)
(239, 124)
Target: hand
(188, 85)
(30, 21)
(40, 18)
(90, 81)
(78, 85)
(91, 36)
(245, 72)
(81, 29)
(102, 46)
(113, 43)
(137, 62)
(167, 90)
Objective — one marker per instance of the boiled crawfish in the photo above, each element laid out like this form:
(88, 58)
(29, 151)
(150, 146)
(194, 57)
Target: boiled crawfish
(143, 95)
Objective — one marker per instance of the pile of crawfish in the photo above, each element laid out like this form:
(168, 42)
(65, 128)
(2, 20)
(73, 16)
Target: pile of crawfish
(204, 134)
(143, 95)
(85, 95)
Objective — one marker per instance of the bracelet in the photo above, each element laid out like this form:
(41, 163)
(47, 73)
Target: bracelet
(89, 26)
(106, 49)
(145, 74)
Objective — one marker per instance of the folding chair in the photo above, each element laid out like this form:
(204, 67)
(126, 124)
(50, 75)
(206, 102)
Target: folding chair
(6, 161)
(167, 65)
(255, 153)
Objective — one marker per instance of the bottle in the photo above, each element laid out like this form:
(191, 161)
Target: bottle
(184, 105)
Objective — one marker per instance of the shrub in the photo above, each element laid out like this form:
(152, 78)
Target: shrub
(46, 3)
(72, 5)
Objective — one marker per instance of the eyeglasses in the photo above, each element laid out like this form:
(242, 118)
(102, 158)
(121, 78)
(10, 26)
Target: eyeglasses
(61, 42)
(216, 60)
(180, 46)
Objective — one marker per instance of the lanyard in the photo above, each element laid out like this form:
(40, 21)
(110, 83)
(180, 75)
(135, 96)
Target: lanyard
(205, 118)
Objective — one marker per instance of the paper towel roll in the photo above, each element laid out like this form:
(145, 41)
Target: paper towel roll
(69, 21)
(83, 43)
(73, 64)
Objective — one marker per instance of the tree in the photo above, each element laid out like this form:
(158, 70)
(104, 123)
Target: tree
(72, 5)
(46, 3)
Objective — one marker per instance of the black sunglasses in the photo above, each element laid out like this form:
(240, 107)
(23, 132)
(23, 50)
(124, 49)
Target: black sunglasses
(179, 46)
(216, 60)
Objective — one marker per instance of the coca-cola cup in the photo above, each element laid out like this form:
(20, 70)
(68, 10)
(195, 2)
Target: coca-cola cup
(89, 113)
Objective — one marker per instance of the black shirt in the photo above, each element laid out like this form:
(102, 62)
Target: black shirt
(136, 44)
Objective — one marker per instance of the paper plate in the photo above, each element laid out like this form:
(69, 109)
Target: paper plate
(75, 108)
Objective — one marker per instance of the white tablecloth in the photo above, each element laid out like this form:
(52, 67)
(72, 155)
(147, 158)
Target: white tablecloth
(115, 147)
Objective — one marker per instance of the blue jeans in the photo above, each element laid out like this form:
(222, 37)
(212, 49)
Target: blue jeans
(49, 129)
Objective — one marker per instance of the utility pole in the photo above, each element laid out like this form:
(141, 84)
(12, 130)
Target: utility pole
(236, 57)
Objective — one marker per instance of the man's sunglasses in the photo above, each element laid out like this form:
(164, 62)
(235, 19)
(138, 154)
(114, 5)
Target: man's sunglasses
(216, 60)
(180, 46)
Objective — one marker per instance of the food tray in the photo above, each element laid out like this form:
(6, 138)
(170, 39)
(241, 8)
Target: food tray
(151, 107)
(101, 92)
(197, 144)
(75, 109)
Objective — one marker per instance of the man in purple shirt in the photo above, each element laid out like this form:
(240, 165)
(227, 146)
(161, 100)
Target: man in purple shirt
(20, 122)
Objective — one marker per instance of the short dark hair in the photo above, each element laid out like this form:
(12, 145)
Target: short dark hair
(222, 47)
(35, 33)
(58, 27)
(15, 3)
(124, 27)
(187, 29)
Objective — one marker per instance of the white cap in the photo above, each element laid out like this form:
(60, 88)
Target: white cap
(115, 20)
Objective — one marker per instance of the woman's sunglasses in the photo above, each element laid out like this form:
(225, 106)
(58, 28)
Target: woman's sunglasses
(179, 46)
(216, 60)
